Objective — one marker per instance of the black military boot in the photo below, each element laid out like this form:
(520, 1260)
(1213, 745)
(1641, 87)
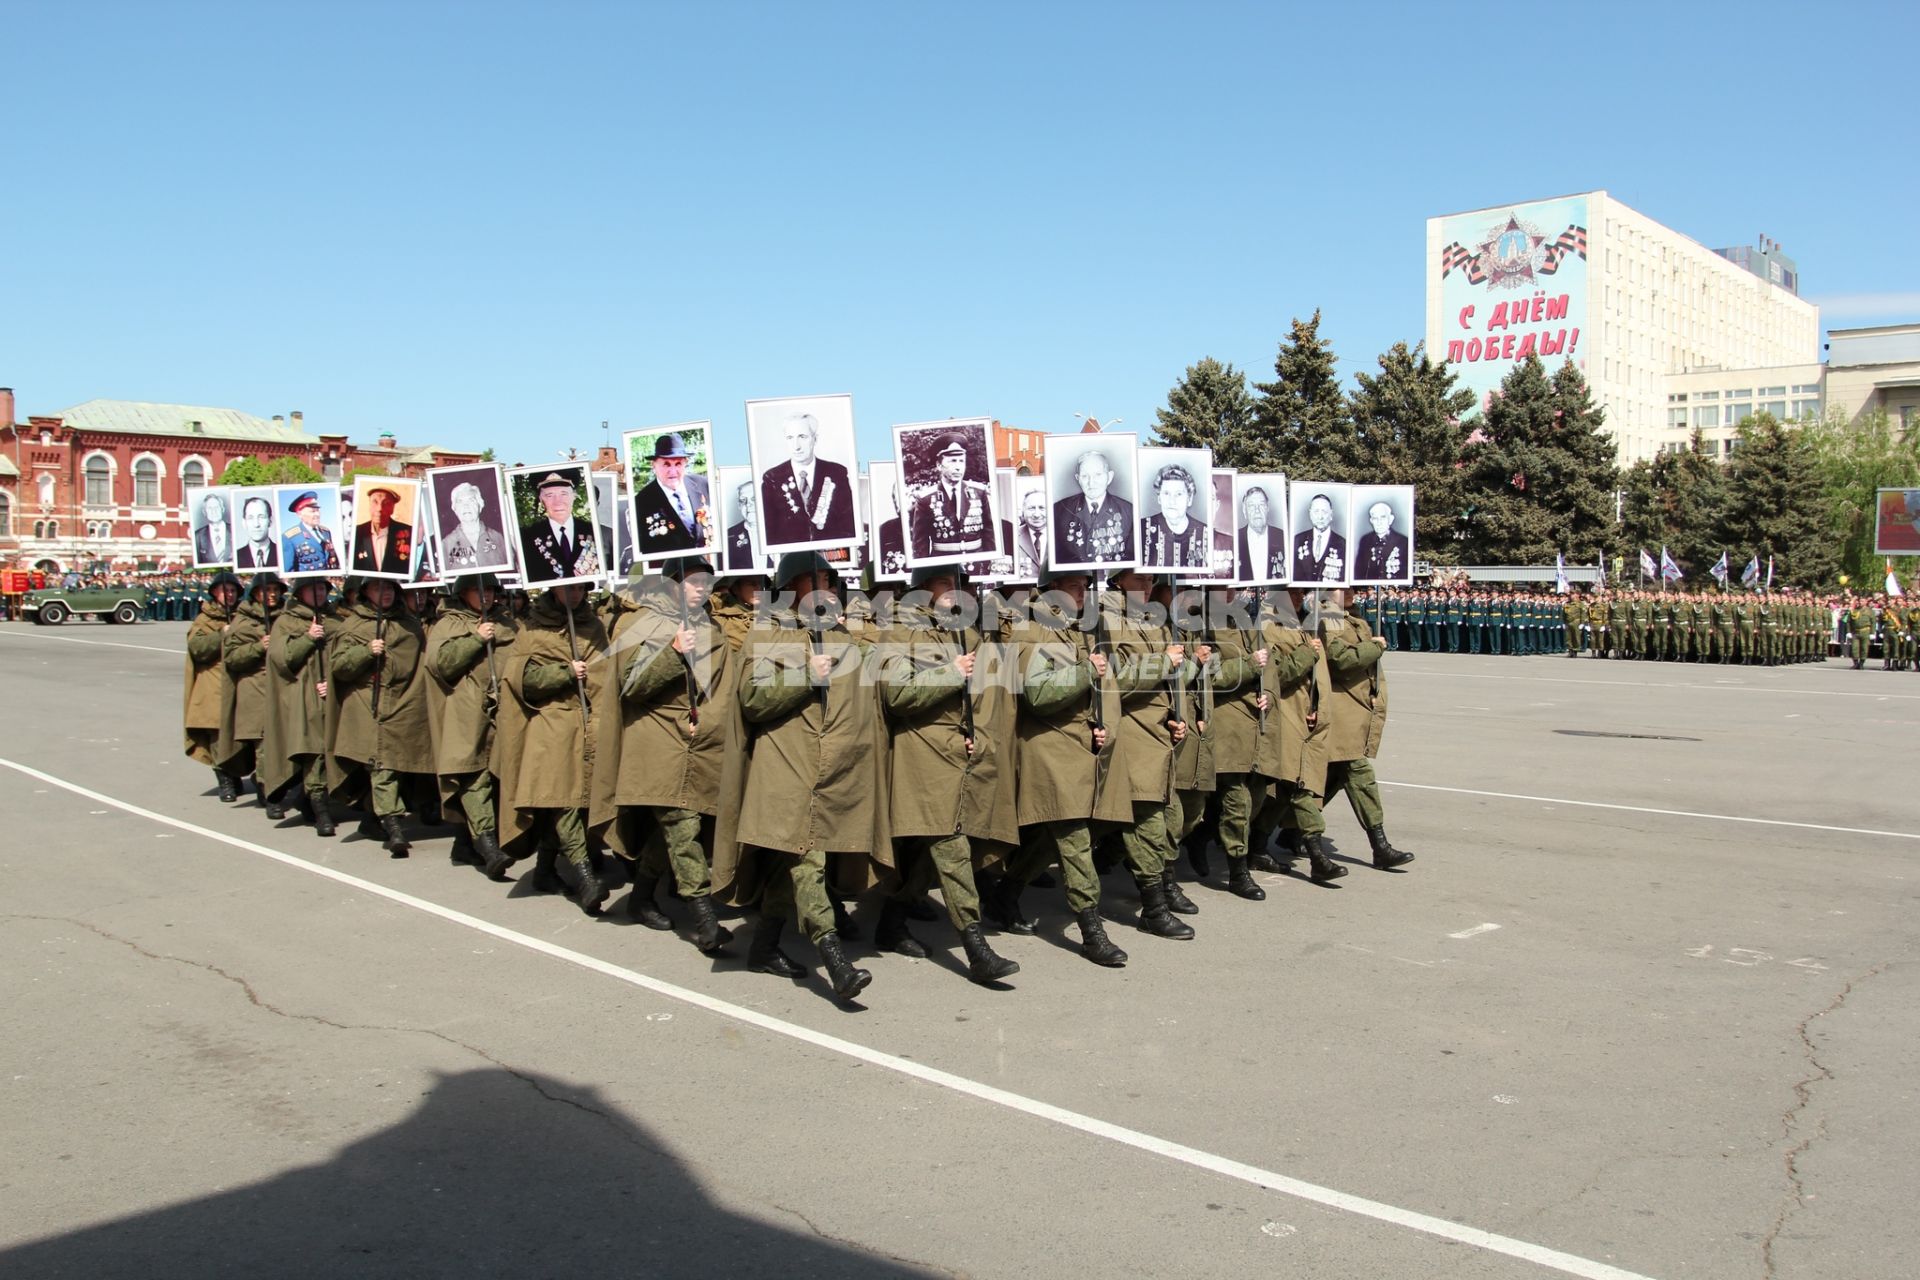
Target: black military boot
(709, 935)
(395, 842)
(847, 981)
(322, 813)
(1094, 944)
(1001, 907)
(1177, 900)
(493, 860)
(1260, 854)
(463, 853)
(1157, 919)
(229, 792)
(983, 966)
(922, 910)
(592, 891)
(1385, 856)
(843, 919)
(1324, 867)
(546, 876)
(641, 905)
(277, 803)
(892, 934)
(1240, 881)
(1196, 851)
(763, 950)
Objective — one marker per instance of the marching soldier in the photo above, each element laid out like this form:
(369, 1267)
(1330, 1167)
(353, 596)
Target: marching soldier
(657, 781)
(206, 679)
(1357, 711)
(951, 770)
(1296, 757)
(243, 710)
(463, 658)
(295, 764)
(1860, 622)
(377, 707)
(1574, 611)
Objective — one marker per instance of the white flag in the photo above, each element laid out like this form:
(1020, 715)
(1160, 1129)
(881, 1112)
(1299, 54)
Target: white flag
(1719, 570)
(1647, 568)
(1560, 583)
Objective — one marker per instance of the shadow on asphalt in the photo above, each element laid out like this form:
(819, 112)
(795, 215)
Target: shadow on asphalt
(496, 1173)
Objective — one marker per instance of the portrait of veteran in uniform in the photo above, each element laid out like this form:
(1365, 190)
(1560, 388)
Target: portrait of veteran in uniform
(1384, 553)
(474, 543)
(557, 545)
(306, 543)
(805, 500)
(1173, 537)
(951, 516)
(670, 511)
(212, 541)
(382, 544)
(257, 547)
(1320, 549)
(1094, 526)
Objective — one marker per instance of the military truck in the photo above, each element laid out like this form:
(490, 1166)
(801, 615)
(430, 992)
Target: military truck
(51, 606)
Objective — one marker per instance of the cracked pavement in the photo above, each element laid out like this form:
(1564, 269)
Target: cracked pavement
(1688, 1050)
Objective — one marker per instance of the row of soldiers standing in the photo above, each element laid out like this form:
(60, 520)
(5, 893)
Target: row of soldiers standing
(1766, 628)
(1504, 620)
(1892, 622)
(784, 753)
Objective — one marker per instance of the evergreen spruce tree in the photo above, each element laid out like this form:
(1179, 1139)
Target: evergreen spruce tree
(1408, 430)
(1541, 479)
(1676, 501)
(1303, 425)
(1210, 408)
(1775, 505)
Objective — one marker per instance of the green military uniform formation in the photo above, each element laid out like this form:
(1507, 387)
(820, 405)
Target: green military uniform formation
(1887, 623)
(1519, 621)
(785, 752)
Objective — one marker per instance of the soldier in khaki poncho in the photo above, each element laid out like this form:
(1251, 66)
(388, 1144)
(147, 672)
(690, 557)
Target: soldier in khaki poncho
(1296, 757)
(808, 781)
(243, 706)
(951, 781)
(1241, 720)
(657, 780)
(295, 751)
(555, 696)
(463, 695)
(1358, 713)
(377, 707)
(206, 679)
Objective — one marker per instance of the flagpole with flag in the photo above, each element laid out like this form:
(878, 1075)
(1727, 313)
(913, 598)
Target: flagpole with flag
(1769, 572)
(1893, 581)
(1562, 587)
(1719, 571)
(1669, 571)
(1750, 576)
(1647, 568)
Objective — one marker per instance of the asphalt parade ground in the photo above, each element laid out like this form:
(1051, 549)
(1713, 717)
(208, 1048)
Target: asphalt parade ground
(1646, 1005)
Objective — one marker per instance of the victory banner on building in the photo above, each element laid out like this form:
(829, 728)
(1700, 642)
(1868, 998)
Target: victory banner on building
(1513, 284)
(1896, 529)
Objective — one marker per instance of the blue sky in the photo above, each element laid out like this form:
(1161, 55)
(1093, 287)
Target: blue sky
(499, 225)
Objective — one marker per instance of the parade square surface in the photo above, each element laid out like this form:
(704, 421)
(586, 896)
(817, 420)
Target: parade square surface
(1646, 1005)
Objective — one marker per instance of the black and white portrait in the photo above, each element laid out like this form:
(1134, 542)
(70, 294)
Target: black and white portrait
(470, 507)
(1223, 566)
(803, 454)
(558, 526)
(740, 536)
(886, 537)
(669, 474)
(1318, 534)
(613, 536)
(946, 491)
(1382, 523)
(1176, 492)
(381, 541)
(1091, 481)
(1000, 568)
(1029, 507)
(211, 522)
(1260, 551)
(252, 544)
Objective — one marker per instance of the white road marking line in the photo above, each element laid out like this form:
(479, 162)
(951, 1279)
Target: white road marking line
(1670, 813)
(104, 644)
(1474, 932)
(1653, 684)
(1539, 1255)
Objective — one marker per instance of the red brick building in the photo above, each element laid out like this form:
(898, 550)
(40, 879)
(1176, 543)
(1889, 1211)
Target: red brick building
(101, 486)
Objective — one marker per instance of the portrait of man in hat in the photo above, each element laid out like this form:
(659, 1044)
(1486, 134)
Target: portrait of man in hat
(950, 514)
(306, 542)
(557, 545)
(671, 509)
(381, 543)
(806, 500)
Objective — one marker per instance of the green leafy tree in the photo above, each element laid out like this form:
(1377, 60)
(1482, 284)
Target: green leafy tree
(1409, 430)
(1304, 427)
(273, 471)
(1540, 473)
(1210, 408)
(1676, 501)
(1775, 505)
(1855, 460)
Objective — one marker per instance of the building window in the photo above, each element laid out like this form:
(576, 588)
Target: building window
(1909, 414)
(193, 475)
(1735, 412)
(1773, 391)
(1679, 399)
(146, 483)
(45, 485)
(1706, 415)
(1677, 417)
(1733, 444)
(6, 514)
(1707, 395)
(99, 475)
(1741, 394)
(1778, 408)
(39, 528)
(1809, 389)
(1808, 409)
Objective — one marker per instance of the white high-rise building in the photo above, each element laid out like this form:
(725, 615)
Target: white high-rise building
(1632, 303)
